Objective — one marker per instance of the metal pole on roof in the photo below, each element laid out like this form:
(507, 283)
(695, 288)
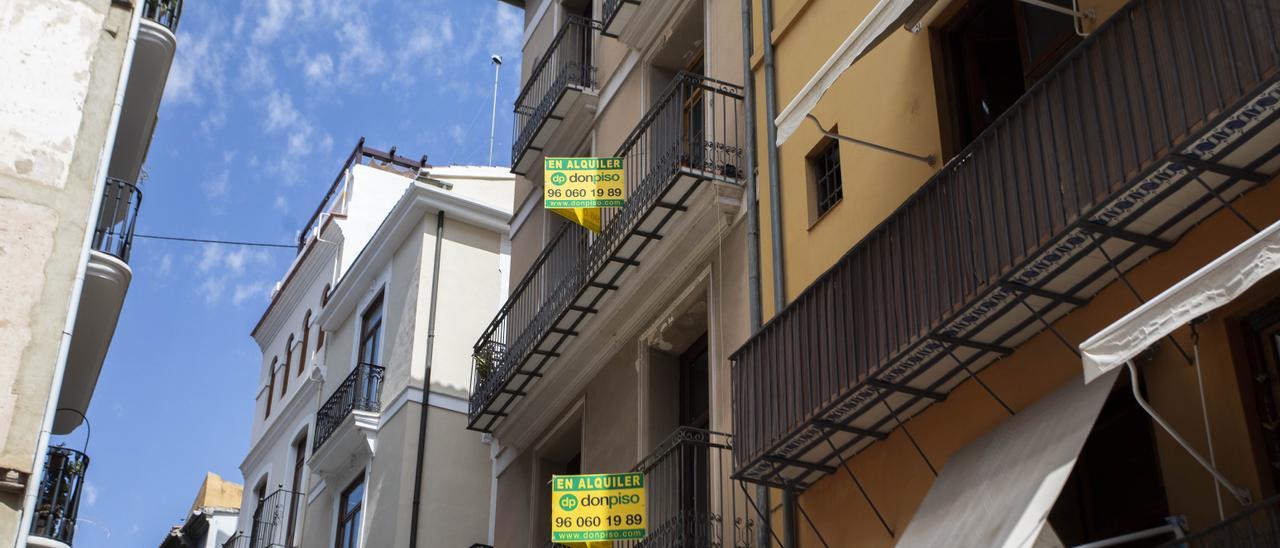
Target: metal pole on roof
(493, 118)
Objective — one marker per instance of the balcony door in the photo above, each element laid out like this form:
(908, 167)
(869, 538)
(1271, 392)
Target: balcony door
(1262, 386)
(695, 412)
(580, 39)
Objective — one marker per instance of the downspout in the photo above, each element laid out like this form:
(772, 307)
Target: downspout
(771, 146)
(73, 308)
(426, 385)
(753, 227)
(775, 221)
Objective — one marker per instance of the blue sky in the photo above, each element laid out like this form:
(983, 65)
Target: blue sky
(264, 102)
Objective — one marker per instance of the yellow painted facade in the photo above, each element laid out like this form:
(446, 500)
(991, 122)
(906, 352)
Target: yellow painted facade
(889, 97)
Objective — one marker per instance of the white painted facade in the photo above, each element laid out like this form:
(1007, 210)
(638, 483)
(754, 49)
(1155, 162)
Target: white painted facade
(379, 237)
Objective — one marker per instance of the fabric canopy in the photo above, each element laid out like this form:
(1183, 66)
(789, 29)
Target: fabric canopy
(885, 17)
(1214, 285)
(998, 490)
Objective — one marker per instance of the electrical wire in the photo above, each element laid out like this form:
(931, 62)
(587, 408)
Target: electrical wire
(219, 242)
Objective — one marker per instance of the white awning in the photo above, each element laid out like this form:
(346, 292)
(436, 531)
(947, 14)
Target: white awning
(884, 18)
(998, 490)
(1214, 285)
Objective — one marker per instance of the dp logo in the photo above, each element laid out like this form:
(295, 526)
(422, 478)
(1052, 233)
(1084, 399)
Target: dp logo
(568, 502)
(559, 179)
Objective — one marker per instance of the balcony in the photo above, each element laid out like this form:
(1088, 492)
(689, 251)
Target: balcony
(692, 500)
(106, 282)
(58, 502)
(1163, 114)
(152, 57)
(275, 523)
(360, 392)
(691, 135)
(617, 13)
(555, 86)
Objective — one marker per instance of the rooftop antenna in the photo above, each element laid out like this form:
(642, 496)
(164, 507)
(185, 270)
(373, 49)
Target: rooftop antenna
(493, 118)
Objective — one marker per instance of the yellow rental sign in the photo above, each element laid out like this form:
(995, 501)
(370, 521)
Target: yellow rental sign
(583, 182)
(597, 507)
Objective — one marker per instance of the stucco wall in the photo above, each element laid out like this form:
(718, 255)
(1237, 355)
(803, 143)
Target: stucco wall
(62, 67)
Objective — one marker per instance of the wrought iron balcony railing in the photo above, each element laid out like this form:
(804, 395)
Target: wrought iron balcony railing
(275, 523)
(566, 65)
(1107, 160)
(691, 499)
(691, 135)
(360, 391)
(117, 216)
(58, 501)
(1255, 527)
(163, 12)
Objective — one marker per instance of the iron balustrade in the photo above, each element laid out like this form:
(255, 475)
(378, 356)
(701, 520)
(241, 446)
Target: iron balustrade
(58, 500)
(1150, 82)
(163, 12)
(691, 499)
(1255, 527)
(117, 216)
(566, 64)
(360, 391)
(270, 525)
(335, 199)
(693, 132)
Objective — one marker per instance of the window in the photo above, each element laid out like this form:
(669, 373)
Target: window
(306, 334)
(824, 167)
(288, 359)
(371, 332)
(991, 52)
(271, 387)
(349, 505)
(295, 498)
(324, 294)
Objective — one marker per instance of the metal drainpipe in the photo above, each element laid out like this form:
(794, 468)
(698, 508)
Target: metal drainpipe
(753, 225)
(426, 384)
(775, 220)
(775, 191)
(73, 309)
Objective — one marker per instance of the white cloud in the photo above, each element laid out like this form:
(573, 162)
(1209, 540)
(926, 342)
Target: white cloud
(211, 289)
(165, 267)
(256, 70)
(458, 134)
(301, 136)
(508, 28)
(245, 291)
(361, 54)
(318, 69)
(243, 256)
(217, 186)
(274, 17)
(210, 257)
(281, 204)
(90, 493)
(280, 112)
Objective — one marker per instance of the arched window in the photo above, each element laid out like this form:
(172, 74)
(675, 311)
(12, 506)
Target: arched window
(271, 387)
(324, 295)
(306, 334)
(288, 359)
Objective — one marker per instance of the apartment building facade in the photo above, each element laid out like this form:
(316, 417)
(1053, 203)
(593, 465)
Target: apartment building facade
(359, 434)
(610, 352)
(1020, 254)
(83, 82)
(213, 516)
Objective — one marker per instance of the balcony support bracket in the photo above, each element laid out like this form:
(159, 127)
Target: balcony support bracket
(986, 347)
(832, 425)
(1222, 169)
(883, 385)
(1041, 292)
(1134, 237)
(801, 464)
